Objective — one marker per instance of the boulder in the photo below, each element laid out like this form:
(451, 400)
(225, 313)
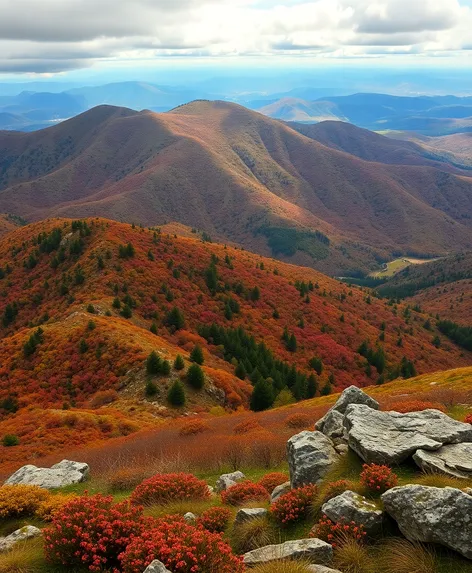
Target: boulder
(279, 491)
(190, 517)
(332, 424)
(454, 460)
(432, 515)
(312, 550)
(156, 567)
(27, 532)
(391, 437)
(310, 456)
(59, 475)
(247, 514)
(351, 395)
(350, 506)
(225, 481)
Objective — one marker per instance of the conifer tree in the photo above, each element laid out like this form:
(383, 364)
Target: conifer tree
(176, 394)
(195, 377)
(153, 364)
(262, 396)
(197, 355)
(179, 363)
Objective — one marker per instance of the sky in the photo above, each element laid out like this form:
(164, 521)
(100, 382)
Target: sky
(60, 38)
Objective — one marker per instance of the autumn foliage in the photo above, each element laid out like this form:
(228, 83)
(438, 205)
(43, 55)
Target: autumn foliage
(163, 488)
(378, 478)
(244, 491)
(215, 519)
(294, 505)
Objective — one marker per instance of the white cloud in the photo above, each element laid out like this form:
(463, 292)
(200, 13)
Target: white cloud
(76, 33)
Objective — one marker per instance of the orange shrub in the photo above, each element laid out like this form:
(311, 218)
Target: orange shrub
(103, 398)
(125, 479)
(298, 421)
(19, 500)
(48, 508)
(270, 481)
(243, 492)
(193, 427)
(416, 406)
(164, 488)
(246, 426)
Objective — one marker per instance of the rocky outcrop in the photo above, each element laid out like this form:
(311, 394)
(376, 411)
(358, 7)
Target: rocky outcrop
(391, 437)
(310, 457)
(156, 567)
(332, 424)
(279, 491)
(350, 506)
(62, 474)
(432, 515)
(248, 514)
(454, 460)
(27, 532)
(351, 395)
(225, 481)
(311, 550)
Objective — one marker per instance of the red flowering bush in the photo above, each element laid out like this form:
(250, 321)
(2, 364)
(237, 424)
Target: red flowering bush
(298, 421)
(244, 491)
(215, 519)
(294, 505)
(182, 548)
(468, 419)
(335, 533)
(164, 488)
(270, 481)
(378, 478)
(91, 531)
(336, 488)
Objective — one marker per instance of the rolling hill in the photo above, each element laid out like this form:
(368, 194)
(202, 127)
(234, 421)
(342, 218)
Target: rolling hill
(84, 303)
(241, 177)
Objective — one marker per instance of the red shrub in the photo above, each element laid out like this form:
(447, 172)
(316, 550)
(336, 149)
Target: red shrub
(298, 421)
(180, 547)
(335, 533)
(215, 519)
(378, 478)
(294, 505)
(244, 491)
(92, 532)
(270, 481)
(416, 406)
(468, 419)
(163, 488)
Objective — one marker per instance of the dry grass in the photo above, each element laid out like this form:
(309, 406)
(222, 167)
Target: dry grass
(440, 480)
(351, 556)
(284, 566)
(24, 557)
(402, 556)
(253, 534)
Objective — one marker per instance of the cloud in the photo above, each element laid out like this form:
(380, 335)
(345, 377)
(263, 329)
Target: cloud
(60, 35)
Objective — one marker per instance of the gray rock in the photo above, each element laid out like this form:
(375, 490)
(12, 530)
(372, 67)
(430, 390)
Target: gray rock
(312, 550)
(432, 515)
(321, 569)
(391, 437)
(190, 517)
(227, 480)
(454, 460)
(156, 567)
(27, 532)
(279, 491)
(332, 424)
(351, 395)
(310, 457)
(247, 514)
(350, 506)
(59, 475)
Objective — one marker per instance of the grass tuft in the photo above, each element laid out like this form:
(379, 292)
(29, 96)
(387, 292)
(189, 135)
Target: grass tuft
(23, 557)
(253, 534)
(351, 556)
(402, 556)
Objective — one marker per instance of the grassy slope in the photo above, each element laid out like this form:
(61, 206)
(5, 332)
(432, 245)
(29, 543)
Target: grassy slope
(154, 168)
(336, 319)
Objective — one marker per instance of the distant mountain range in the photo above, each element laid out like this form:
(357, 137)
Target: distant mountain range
(439, 115)
(331, 196)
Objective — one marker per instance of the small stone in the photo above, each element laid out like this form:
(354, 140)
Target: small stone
(27, 532)
(225, 481)
(321, 569)
(156, 567)
(190, 517)
(248, 514)
(279, 491)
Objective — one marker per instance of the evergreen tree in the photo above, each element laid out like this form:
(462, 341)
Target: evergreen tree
(240, 371)
(195, 376)
(176, 394)
(197, 355)
(262, 396)
(175, 319)
(326, 390)
(165, 368)
(179, 363)
(317, 365)
(211, 278)
(151, 388)
(153, 364)
(255, 294)
(292, 343)
(83, 346)
(312, 386)
(153, 328)
(126, 312)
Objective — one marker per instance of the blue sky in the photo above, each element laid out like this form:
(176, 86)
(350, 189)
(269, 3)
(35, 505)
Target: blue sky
(55, 38)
